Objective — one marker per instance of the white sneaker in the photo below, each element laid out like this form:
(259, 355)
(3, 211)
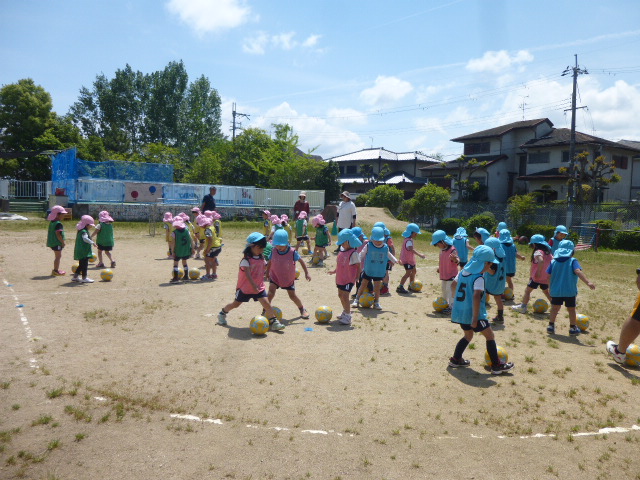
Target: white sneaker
(354, 304)
(222, 318)
(521, 308)
(377, 306)
(75, 279)
(612, 348)
(87, 280)
(345, 319)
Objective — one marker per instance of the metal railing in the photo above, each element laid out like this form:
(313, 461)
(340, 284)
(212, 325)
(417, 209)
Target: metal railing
(31, 189)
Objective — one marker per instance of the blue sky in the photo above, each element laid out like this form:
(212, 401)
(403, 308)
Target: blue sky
(406, 75)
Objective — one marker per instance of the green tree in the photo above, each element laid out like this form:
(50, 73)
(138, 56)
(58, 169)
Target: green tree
(385, 196)
(591, 177)
(430, 201)
(207, 166)
(199, 121)
(520, 208)
(466, 189)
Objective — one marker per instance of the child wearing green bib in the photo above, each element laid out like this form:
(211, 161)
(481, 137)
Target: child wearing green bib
(56, 238)
(104, 240)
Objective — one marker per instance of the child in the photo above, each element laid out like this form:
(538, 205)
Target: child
(285, 225)
(198, 231)
(481, 234)
(281, 270)
(501, 226)
(322, 239)
(469, 310)
(495, 279)
(447, 265)
(565, 271)
(192, 231)
(408, 256)
(251, 281)
(374, 256)
(266, 223)
(357, 232)
(462, 246)
(629, 332)
(384, 290)
(82, 251)
(182, 248)
(212, 248)
(56, 238)
(104, 238)
(167, 223)
(301, 231)
(347, 270)
(540, 260)
(559, 234)
(510, 255)
(276, 224)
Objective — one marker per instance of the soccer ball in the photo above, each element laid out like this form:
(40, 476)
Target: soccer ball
(415, 286)
(297, 274)
(440, 303)
(324, 314)
(259, 325)
(540, 306)
(315, 259)
(180, 272)
(93, 258)
(633, 356)
(523, 240)
(502, 355)
(74, 267)
(304, 251)
(583, 322)
(508, 294)
(106, 274)
(194, 273)
(366, 299)
(278, 312)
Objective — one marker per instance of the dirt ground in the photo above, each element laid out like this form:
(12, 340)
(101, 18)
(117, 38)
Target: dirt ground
(132, 379)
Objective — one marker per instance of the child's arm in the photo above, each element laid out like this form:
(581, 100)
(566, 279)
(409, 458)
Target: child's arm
(391, 258)
(477, 296)
(584, 278)
(306, 271)
(453, 256)
(60, 237)
(471, 249)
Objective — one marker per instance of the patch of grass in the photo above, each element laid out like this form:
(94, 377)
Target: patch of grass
(77, 413)
(55, 393)
(43, 420)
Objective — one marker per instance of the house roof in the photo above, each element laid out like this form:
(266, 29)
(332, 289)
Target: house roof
(382, 154)
(390, 179)
(501, 130)
(552, 173)
(453, 164)
(630, 143)
(562, 136)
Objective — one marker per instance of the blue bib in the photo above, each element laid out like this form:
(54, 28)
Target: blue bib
(375, 263)
(495, 284)
(461, 247)
(564, 282)
(463, 301)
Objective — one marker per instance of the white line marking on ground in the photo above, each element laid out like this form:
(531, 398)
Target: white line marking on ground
(33, 363)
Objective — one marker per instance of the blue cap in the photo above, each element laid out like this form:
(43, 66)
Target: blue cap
(254, 237)
(357, 231)
(501, 226)
(494, 243)
(565, 249)
(379, 224)
(411, 228)
(280, 238)
(505, 236)
(481, 254)
(347, 235)
(387, 232)
(561, 229)
(377, 234)
(461, 232)
(537, 238)
(439, 236)
(484, 233)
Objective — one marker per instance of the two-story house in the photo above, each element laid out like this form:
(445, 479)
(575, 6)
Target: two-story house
(363, 170)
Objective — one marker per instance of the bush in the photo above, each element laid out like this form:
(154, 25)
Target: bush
(449, 225)
(627, 240)
(607, 235)
(485, 220)
(361, 200)
(385, 196)
(532, 229)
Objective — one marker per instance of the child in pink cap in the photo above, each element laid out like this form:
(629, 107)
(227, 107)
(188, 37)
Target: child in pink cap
(104, 238)
(276, 224)
(322, 239)
(212, 248)
(167, 224)
(182, 246)
(302, 237)
(266, 223)
(82, 251)
(56, 238)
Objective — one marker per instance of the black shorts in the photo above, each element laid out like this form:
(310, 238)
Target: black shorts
(408, 267)
(346, 288)
(511, 274)
(389, 266)
(569, 302)
(105, 248)
(462, 264)
(245, 297)
(303, 238)
(290, 287)
(534, 285)
(202, 240)
(214, 252)
(375, 279)
(176, 258)
(482, 325)
(57, 249)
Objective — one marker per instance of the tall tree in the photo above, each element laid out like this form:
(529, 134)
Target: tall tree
(199, 121)
(463, 185)
(591, 177)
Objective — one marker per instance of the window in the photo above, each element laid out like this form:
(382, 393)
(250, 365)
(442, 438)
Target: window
(621, 161)
(565, 156)
(352, 169)
(341, 170)
(477, 148)
(480, 180)
(539, 157)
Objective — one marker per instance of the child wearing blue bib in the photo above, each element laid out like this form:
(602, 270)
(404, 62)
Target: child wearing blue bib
(495, 279)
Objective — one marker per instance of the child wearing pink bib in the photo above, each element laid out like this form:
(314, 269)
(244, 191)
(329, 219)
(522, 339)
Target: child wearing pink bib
(538, 277)
(408, 256)
(447, 266)
(347, 271)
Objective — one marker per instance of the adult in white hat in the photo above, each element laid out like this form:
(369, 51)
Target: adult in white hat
(346, 214)
(301, 206)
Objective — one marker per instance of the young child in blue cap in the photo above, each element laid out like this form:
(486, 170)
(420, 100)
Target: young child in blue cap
(347, 270)
(461, 242)
(469, 310)
(447, 265)
(408, 256)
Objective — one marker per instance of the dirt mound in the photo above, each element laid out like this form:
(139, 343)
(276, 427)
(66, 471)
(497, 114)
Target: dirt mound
(367, 216)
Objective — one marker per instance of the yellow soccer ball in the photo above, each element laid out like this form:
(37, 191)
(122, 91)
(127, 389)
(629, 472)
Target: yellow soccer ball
(324, 314)
(180, 272)
(93, 258)
(194, 273)
(297, 273)
(278, 313)
(315, 259)
(259, 325)
(508, 294)
(540, 306)
(583, 322)
(439, 304)
(106, 274)
(415, 286)
(502, 355)
(367, 299)
(74, 267)
(633, 356)
(304, 251)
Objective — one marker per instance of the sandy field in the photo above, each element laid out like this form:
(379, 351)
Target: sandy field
(132, 379)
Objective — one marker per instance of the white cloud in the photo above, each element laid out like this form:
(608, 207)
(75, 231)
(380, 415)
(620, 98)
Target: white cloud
(284, 41)
(311, 41)
(258, 43)
(206, 16)
(386, 91)
(496, 62)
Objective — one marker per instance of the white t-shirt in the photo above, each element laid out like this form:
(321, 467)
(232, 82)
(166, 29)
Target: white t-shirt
(346, 212)
(477, 285)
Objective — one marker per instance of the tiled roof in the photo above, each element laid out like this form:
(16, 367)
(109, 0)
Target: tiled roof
(550, 173)
(453, 164)
(501, 130)
(384, 154)
(630, 143)
(562, 136)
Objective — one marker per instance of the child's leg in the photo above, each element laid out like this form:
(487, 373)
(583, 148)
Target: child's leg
(462, 344)
(272, 291)
(547, 294)
(214, 265)
(99, 256)
(412, 275)
(406, 275)
(57, 256)
(446, 291)
(500, 305)
(83, 267)
(230, 306)
(492, 348)
(572, 316)
(267, 308)
(510, 282)
(376, 290)
(553, 313)
(108, 253)
(527, 295)
(295, 299)
(343, 295)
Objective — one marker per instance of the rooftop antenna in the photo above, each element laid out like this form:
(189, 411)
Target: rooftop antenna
(523, 104)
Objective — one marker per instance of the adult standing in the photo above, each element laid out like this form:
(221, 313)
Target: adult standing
(346, 214)
(208, 202)
(301, 206)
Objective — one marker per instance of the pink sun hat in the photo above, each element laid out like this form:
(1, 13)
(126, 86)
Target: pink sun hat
(201, 220)
(178, 222)
(184, 216)
(57, 209)
(284, 218)
(105, 217)
(302, 215)
(208, 213)
(318, 220)
(207, 222)
(266, 212)
(215, 215)
(275, 220)
(195, 210)
(85, 221)
(168, 217)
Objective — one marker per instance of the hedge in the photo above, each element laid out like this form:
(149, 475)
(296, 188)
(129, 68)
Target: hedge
(450, 225)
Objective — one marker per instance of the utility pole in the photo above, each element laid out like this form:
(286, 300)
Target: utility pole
(575, 71)
(237, 114)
